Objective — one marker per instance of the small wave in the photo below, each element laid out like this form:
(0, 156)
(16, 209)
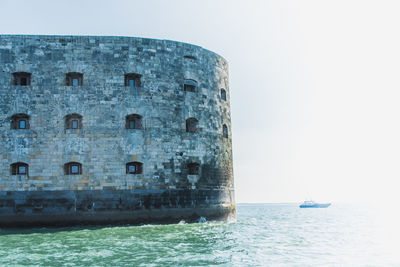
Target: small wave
(253, 220)
(202, 220)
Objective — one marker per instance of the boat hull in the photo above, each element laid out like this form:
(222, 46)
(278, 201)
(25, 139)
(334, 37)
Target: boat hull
(316, 205)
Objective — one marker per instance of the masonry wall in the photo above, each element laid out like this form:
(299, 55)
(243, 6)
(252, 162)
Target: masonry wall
(103, 145)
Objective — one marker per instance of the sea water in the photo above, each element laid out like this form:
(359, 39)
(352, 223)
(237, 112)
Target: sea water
(263, 235)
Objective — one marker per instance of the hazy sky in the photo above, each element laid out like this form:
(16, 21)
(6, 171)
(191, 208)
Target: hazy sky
(314, 84)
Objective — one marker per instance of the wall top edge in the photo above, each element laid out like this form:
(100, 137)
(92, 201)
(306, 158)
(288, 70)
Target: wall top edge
(105, 38)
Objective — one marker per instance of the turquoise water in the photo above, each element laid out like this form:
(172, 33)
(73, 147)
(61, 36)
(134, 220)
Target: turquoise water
(263, 235)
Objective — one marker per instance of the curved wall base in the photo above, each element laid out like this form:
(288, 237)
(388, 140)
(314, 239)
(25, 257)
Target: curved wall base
(99, 207)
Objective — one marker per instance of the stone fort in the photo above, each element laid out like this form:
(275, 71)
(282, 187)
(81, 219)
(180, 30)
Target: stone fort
(102, 130)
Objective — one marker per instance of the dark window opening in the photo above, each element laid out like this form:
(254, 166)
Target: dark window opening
(22, 78)
(133, 80)
(133, 121)
(74, 79)
(190, 57)
(134, 167)
(73, 168)
(19, 168)
(189, 86)
(225, 131)
(223, 94)
(73, 121)
(193, 168)
(191, 125)
(20, 121)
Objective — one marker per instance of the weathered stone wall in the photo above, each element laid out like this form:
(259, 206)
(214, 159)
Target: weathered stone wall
(103, 146)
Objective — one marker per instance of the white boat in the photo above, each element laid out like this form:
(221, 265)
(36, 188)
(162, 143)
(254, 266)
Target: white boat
(312, 204)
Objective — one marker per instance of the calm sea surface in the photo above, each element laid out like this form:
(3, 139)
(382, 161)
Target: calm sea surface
(264, 235)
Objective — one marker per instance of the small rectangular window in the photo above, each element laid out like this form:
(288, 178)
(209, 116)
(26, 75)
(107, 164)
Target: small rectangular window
(21, 169)
(74, 79)
(132, 80)
(72, 168)
(22, 124)
(134, 168)
(22, 78)
(189, 85)
(131, 124)
(223, 94)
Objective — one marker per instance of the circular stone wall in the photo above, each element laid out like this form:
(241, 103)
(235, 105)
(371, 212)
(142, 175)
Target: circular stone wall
(112, 130)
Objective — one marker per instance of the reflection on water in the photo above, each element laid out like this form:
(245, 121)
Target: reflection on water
(264, 234)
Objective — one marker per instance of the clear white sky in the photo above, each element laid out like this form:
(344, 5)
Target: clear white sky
(314, 84)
